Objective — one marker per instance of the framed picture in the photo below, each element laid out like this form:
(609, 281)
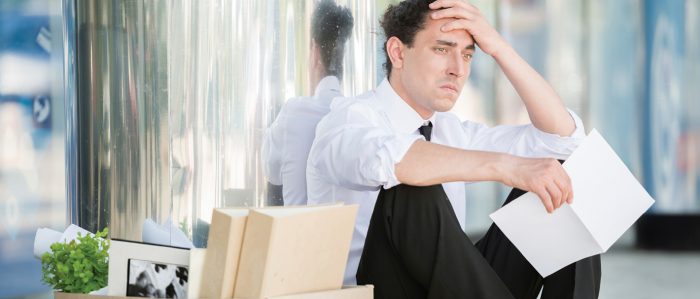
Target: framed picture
(156, 280)
(147, 270)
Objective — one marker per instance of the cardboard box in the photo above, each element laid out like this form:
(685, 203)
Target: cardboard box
(351, 292)
(348, 292)
(218, 274)
(294, 250)
(194, 283)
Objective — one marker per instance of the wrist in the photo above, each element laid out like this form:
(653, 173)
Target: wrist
(503, 168)
(503, 51)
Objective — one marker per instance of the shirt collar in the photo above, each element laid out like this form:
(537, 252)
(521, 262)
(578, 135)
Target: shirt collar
(327, 89)
(402, 117)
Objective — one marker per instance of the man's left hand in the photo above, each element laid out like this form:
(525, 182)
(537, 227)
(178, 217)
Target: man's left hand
(469, 18)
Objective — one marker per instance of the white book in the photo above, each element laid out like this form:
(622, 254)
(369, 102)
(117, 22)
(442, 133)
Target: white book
(608, 199)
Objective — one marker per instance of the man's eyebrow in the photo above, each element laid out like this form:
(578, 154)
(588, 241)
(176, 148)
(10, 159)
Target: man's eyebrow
(453, 44)
(446, 43)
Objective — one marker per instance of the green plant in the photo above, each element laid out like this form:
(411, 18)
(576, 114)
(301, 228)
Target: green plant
(77, 267)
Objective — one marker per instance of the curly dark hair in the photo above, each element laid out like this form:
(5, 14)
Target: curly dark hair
(330, 29)
(403, 20)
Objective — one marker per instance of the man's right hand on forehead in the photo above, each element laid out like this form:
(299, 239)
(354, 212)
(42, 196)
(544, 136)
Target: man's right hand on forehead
(469, 18)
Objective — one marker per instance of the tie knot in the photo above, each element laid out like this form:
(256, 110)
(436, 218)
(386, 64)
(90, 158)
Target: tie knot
(426, 130)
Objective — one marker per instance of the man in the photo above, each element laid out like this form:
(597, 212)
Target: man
(399, 138)
(288, 140)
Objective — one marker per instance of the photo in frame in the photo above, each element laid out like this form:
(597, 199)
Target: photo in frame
(128, 260)
(156, 280)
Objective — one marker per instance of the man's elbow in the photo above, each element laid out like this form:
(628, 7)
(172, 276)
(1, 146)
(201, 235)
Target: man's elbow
(568, 128)
(409, 176)
(563, 128)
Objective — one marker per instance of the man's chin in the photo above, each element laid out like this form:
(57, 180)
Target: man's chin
(445, 105)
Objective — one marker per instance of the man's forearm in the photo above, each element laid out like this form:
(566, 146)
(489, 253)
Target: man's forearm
(428, 164)
(546, 110)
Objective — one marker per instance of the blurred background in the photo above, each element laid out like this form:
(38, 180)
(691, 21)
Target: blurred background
(126, 112)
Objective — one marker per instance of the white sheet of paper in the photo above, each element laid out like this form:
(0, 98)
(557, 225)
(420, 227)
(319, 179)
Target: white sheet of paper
(608, 199)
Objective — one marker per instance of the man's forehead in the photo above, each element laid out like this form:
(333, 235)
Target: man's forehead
(432, 33)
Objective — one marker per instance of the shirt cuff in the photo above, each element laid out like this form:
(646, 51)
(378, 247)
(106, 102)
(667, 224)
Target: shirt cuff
(579, 132)
(392, 152)
(562, 146)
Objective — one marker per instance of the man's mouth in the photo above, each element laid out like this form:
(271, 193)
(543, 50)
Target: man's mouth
(450, 87)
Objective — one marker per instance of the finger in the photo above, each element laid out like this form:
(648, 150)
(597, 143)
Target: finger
(571, 196)
(546, 200)
(564, 191)
(472, 8)
(459, 24)
(565, 188)
(447, 4)
(451, 4)
(570, 200)
(457, 13)
(555, 194)
(568, 186)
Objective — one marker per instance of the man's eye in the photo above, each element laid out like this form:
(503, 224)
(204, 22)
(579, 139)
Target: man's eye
(467, 57)
(441, 50)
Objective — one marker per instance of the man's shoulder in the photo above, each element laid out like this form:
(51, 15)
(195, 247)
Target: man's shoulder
(363, 104)
(351, 111)
(342, 102)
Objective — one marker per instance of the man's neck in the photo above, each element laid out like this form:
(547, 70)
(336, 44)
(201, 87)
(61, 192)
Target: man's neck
(398, 88)
(316, 77)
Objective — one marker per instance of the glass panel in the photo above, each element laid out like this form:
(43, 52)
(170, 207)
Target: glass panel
(123, 161)
(671, 132)
(32, 155)
(690, 141)
(615, 46)
(228, 89)
(175, 99)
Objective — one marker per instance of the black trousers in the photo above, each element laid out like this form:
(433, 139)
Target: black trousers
(415, 248)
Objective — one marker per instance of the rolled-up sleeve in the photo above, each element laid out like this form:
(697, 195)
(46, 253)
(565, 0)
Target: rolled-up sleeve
(354, 148)
(524, 140)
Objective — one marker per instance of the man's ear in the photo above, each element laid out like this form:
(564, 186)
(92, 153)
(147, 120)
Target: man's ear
(395, 48)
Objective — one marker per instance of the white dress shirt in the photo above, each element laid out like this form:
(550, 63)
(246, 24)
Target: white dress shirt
(288, 140)
(358, 143)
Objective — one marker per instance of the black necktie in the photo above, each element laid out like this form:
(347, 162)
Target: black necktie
(426, 130)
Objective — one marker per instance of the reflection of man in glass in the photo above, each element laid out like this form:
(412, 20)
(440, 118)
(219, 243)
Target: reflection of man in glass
(403, 158)
(288, 140)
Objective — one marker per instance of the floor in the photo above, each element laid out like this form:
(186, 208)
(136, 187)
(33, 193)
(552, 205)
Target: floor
(630, 273)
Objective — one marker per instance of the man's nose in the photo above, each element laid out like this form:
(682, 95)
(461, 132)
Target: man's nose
(458, 67)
